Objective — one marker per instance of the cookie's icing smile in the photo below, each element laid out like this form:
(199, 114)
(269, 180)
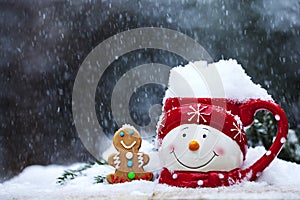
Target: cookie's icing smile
(196, 167)
(127, 146)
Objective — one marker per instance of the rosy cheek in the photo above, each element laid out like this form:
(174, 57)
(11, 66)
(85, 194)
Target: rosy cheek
(171, 148)
(220, 151)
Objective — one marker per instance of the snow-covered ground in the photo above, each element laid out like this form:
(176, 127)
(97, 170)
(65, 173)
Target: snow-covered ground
(280, 180)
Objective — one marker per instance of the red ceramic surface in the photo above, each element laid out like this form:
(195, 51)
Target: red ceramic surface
(225, 120)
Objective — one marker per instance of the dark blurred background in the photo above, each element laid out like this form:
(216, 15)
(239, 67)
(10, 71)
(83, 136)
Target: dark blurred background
(43, 43)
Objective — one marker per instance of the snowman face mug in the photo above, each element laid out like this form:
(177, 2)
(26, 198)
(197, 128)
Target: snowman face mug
(202, 142)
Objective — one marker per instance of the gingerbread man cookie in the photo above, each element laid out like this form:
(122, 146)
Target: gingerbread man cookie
(128, 161)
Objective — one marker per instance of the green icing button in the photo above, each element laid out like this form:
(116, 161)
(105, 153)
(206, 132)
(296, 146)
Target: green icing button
(131, 175)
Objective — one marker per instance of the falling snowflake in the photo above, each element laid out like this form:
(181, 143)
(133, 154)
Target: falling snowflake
(197, 112)
(238, 128)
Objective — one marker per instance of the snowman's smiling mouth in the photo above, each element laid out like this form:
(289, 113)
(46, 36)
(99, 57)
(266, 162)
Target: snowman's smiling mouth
(197, 167)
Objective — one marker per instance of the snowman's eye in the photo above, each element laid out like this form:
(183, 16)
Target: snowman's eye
(184, 135)
(205, 132)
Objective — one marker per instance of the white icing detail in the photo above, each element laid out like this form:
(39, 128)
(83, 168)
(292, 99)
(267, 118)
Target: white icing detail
(128, 126)
(277, 117)
(129, 146)
(129, 155)
(282, 140)
(197, 112)
(140, 159)
(117, 160)
(200, 182)
(268, 153)
(174, 176)
(239, 131)
(221, 176)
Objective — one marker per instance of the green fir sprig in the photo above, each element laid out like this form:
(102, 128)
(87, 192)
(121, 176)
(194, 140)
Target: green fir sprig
(72, 174)
(99, 179)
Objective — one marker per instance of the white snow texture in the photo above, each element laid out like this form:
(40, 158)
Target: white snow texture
(223, 79)
(280, 180)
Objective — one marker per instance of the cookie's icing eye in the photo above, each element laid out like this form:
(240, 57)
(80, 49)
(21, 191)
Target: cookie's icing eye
(122, 134)
(131, 132)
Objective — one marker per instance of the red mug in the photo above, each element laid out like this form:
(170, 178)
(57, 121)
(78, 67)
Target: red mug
(202, 142)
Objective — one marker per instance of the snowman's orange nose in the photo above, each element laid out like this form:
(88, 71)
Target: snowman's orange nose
(194, 145)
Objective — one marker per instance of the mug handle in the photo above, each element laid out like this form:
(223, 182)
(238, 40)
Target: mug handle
(247, 113)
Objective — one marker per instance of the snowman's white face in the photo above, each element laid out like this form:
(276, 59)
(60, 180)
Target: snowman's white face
(192, 147)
